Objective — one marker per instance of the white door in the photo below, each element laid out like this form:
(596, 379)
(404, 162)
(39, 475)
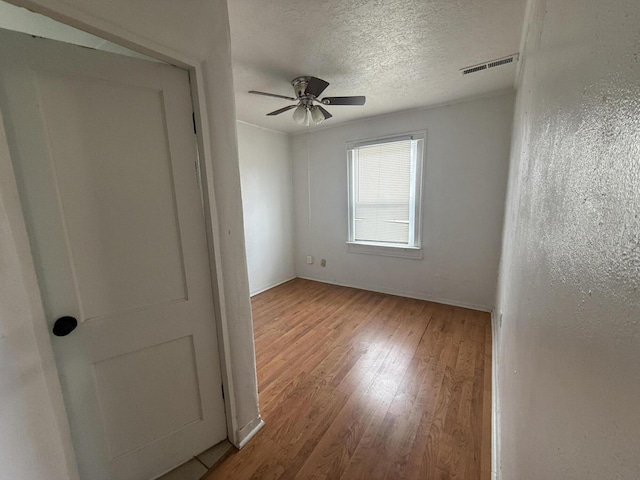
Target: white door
(106, 163)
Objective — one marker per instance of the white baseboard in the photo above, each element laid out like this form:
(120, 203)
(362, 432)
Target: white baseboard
(495, 420)
(247, 432)
(270, 286)
(416, 295)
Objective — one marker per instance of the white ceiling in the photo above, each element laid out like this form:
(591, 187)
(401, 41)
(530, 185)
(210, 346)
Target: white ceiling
(401, 54)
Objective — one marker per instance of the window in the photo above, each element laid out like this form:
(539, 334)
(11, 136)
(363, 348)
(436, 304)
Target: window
(385, 180)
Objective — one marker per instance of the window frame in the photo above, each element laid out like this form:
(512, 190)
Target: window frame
(414, 248)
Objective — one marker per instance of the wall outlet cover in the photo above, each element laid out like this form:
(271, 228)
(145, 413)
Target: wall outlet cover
(309, 259)
(323, 262)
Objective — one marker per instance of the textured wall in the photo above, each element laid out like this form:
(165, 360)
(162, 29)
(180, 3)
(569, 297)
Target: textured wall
(569, 346)
(465, 175)
(267, 203)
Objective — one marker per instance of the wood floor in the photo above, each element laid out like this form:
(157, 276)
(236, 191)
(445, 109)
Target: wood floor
(361, 385)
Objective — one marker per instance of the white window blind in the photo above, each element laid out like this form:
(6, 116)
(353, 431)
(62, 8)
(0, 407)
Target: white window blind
(383, 191)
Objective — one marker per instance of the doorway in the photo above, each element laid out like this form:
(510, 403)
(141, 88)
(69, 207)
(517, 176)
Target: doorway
(106, 164)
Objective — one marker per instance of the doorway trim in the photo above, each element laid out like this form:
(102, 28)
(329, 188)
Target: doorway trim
(11, 208)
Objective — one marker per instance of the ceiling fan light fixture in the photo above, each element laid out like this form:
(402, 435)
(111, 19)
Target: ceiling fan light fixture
(316, 115)
(300, 115)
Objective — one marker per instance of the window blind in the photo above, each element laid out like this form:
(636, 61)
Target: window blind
(383, 175)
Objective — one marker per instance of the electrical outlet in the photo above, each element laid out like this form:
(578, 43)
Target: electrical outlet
(309, 259)
(323, 263)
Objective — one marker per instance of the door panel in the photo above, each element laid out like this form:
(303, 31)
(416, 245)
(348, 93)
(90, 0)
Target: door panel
(105, 161)
(106, 192)
(127, 384)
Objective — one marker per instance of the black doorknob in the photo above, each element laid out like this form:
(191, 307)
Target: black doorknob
(64, 326)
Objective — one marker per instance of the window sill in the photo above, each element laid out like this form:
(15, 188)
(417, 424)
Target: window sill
(385, 250)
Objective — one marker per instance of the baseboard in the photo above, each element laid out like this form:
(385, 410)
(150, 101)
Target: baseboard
(495, 432)
(247, 432)
(416, 295)
(270, 286)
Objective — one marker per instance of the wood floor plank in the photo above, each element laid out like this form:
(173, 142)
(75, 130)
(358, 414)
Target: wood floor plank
(368, 403)
(362, 385)
(406, 417)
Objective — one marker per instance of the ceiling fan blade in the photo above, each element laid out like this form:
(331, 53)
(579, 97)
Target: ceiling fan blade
(278, 112)
(271, 95)
(344, 100)
(326, 114)
(315, 86)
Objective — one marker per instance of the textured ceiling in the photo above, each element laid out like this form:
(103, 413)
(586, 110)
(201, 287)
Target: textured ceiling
(401, 54)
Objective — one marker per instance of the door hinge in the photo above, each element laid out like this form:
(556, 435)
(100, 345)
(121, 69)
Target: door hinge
(193, 117)
(222, 387)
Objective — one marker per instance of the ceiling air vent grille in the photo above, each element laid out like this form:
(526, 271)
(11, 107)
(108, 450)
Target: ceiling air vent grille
(490, 64)
(467, 71)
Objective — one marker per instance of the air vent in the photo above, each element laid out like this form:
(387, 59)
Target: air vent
(475, 69)
(490, 64)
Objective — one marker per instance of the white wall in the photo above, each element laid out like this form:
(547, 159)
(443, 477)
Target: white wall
(569, 345)
(267, 196)
(197, 31)
(465, 171)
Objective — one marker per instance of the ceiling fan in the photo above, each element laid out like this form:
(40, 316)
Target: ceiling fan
(307, 90)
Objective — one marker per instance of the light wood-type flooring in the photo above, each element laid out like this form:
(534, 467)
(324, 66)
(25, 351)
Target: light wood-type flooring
(361, 385)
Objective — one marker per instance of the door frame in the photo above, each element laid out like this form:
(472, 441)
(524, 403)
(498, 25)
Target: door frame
(10, 207)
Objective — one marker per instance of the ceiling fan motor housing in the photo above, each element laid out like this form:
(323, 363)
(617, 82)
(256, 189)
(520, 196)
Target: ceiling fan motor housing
(300, 85)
